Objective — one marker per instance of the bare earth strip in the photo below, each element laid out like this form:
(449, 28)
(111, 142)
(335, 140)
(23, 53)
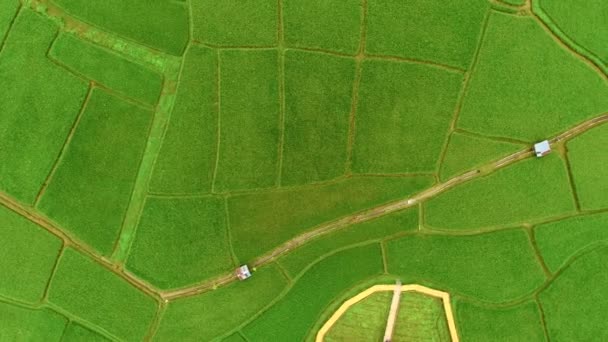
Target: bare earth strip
(444, 296)
(32, 215)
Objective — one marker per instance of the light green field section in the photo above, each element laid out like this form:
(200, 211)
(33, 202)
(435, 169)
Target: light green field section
(364, 321)
(187, 157)
(181, 241)
(8, 10)
(85, 289)
(320, 24)
(292, 317)
(420, 318)
(212, 314)
(466, 152)
(159, 24)
(29, 144)
(77, 333)
(89, 193)
(588, 156)
(514, 2)
(575, 303)
(584, 22)
(493, 267)
(403, 116)
(264, 220)
(417, 29)
(107, 68)
(249, 120)
(561, 240)
(318, 90)
(401, 222)
(507, 197)
(21, 324)
(27, 257)
(235, 22)
(540, 99)
(478, 323)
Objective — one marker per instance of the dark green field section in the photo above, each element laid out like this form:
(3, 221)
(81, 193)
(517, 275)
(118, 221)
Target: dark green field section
(107, 68)
(575, 302)
(318, 92)
(526, 86)
(8, 10)
(365, 320)
(85, 289)
(159, 24)
(187, 157)
(297, 260)
(293, 315)
(465, 152)
(264, 220)
(588, 156)
(235, 22)
(507, 197)
(559, 241)
(78, 333)
(27, 257)
(90, 190)
(22, 324)
(417, 29)
(249, 120)
(479, 323)
(181, 241)
(29, 144)
(582, 21)
(201, 318)
(493, 267)
(320, 24)
(403, 116)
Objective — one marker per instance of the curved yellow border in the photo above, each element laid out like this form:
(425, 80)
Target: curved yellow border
(445, 297)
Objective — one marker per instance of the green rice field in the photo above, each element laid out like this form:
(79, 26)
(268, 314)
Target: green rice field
(148, 149)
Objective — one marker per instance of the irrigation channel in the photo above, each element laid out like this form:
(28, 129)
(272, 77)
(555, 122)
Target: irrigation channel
(31, 214)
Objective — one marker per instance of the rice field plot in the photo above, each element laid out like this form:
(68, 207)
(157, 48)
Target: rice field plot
(181, 241)
(23, 324)
(560, 241)
(510, 196)
(364, 321)
(401, 222)
(466, 152)
(8, 10)
(588, 157)
(235, 23)
(107, 68)
(576, 301)
(585, 23)
(318, 90)
(477, 322)
(421, 318)
(318, 24)
(29, 144)
(85, 289)
(493, 267)
(426, 30)
(75, 332)
(293, 315)
(401, 126)
(162, 25)
(27, 257)
(263, 220)
(212, 314)
(249, 120)
(187, 157)
(89, 192)
(537, 101)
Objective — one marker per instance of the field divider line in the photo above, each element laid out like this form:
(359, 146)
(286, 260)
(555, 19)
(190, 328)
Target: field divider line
(444, 296)
(30, 214)
(383, 210)
(9, 28)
